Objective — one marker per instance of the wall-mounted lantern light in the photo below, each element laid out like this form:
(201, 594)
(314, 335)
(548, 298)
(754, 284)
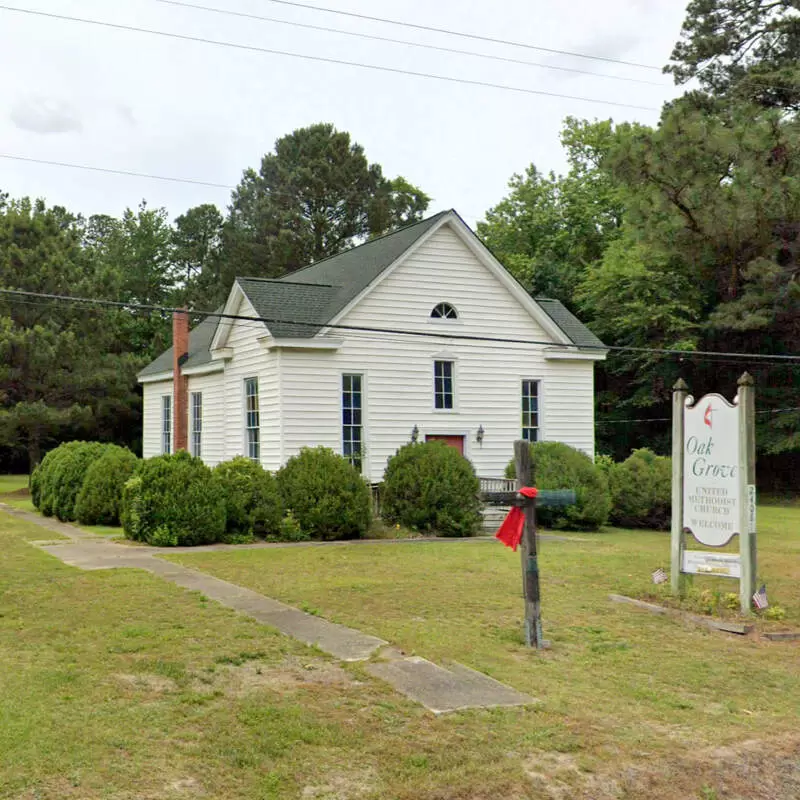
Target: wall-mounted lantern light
(414, 434)
(479, 435)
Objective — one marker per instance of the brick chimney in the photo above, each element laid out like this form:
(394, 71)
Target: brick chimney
(180, 383)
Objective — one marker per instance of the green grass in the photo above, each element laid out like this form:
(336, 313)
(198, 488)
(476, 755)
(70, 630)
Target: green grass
(619, 681)
(116, 684)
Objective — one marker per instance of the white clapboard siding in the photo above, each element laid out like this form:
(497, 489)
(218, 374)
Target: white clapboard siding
(249, 360)
(151, 421)
(212, 388)
(398, 370)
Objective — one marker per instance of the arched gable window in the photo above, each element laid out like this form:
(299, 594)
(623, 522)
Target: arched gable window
(444, 311)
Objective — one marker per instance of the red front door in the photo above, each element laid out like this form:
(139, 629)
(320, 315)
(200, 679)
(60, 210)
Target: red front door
(452, 441)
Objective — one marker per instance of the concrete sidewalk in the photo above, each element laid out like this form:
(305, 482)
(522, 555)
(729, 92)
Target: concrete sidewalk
(438, 689)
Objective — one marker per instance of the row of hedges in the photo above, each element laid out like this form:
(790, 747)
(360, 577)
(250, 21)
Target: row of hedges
(177, 500)
(83, 481)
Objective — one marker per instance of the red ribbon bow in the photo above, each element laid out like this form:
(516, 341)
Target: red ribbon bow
(510, 532)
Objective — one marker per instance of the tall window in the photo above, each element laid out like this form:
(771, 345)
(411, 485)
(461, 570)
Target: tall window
(444, 311)
(443, 384)
(166, 423)
(352, 422)
(252, 421)
(197, 424)
(530, 411)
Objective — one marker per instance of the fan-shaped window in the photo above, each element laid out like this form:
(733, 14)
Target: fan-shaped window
(444, 311)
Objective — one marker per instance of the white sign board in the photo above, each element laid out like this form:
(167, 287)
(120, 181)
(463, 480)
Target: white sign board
(711, 470)
(701, 562)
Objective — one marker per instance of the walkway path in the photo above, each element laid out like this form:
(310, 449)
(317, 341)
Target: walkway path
(438, 689)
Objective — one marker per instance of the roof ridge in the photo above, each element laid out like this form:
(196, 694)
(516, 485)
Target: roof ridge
(283, 282)
(370, 241)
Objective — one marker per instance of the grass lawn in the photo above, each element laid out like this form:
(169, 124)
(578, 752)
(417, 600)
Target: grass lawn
(657, 698)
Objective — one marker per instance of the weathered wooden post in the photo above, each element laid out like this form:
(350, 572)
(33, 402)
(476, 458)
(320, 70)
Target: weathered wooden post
(747, 490)
(680, 392)
(529, 549)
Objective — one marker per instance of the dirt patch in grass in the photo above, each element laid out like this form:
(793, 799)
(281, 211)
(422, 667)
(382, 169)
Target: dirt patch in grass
(291, 674)
(348, 785)
(753, 769)
(156, 684)
(17, 494)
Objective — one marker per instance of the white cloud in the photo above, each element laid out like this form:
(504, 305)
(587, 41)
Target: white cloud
(45, 115)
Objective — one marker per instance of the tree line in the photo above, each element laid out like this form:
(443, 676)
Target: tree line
(684, 235)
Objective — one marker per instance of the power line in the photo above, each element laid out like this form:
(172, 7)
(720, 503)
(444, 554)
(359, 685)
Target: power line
(669, 419)
(394, 331)
(462, 34)
(323, 59)
(129, 173)
(439, 48)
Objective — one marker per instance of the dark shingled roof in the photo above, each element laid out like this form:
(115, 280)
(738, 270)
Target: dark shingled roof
(300, 304)
(199, 342)
(569, 323)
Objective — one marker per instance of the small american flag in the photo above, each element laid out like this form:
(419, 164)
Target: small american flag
(760, 597)
(659, 576)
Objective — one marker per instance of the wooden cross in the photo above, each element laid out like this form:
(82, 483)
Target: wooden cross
(529, 545)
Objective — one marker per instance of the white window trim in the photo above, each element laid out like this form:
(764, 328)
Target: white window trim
(540, 381)
(365, 450)
(246, 441)
(166, 399)
(192, 430)
(456, 385)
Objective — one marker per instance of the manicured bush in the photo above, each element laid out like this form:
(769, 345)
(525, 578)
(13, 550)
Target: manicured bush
(42, 495)
(325, 493)
(100, 498)
(431, 487)
(559, 466)
(36, 486)
(252, 501)
(641, 491)
(60, 477)
(173, 500)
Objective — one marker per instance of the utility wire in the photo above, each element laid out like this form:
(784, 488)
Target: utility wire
(129, 173)
(323, 59)
(439, 48)
(461, 34)
(395, 331)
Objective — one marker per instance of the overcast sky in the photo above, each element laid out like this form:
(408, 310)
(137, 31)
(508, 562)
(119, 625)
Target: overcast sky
(89, 95)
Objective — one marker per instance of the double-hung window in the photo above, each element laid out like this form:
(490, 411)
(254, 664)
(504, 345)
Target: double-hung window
(352, 419)
(197, 424)
(443, 385)
(166, 423)
(530, 410)
(252, 419)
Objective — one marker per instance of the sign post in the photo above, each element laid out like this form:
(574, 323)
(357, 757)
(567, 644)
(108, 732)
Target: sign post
(529, 550)
(713, 489)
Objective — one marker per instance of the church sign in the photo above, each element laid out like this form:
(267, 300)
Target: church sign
(711, 499)
(713, 485)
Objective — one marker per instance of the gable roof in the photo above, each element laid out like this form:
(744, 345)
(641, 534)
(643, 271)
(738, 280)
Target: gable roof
(580, 335)
(302, 303)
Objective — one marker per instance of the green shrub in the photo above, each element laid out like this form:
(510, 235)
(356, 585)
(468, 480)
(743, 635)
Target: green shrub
(36, 486)
(431, 487)
(252, 501)
(559, 466)
(291, 530)
(100, 498)
(173, 500)
(326, 494)
(641, 491)
(60, 477)
(43, 496)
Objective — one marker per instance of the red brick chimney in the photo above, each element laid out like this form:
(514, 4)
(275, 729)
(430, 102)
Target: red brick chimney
(180, 383)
